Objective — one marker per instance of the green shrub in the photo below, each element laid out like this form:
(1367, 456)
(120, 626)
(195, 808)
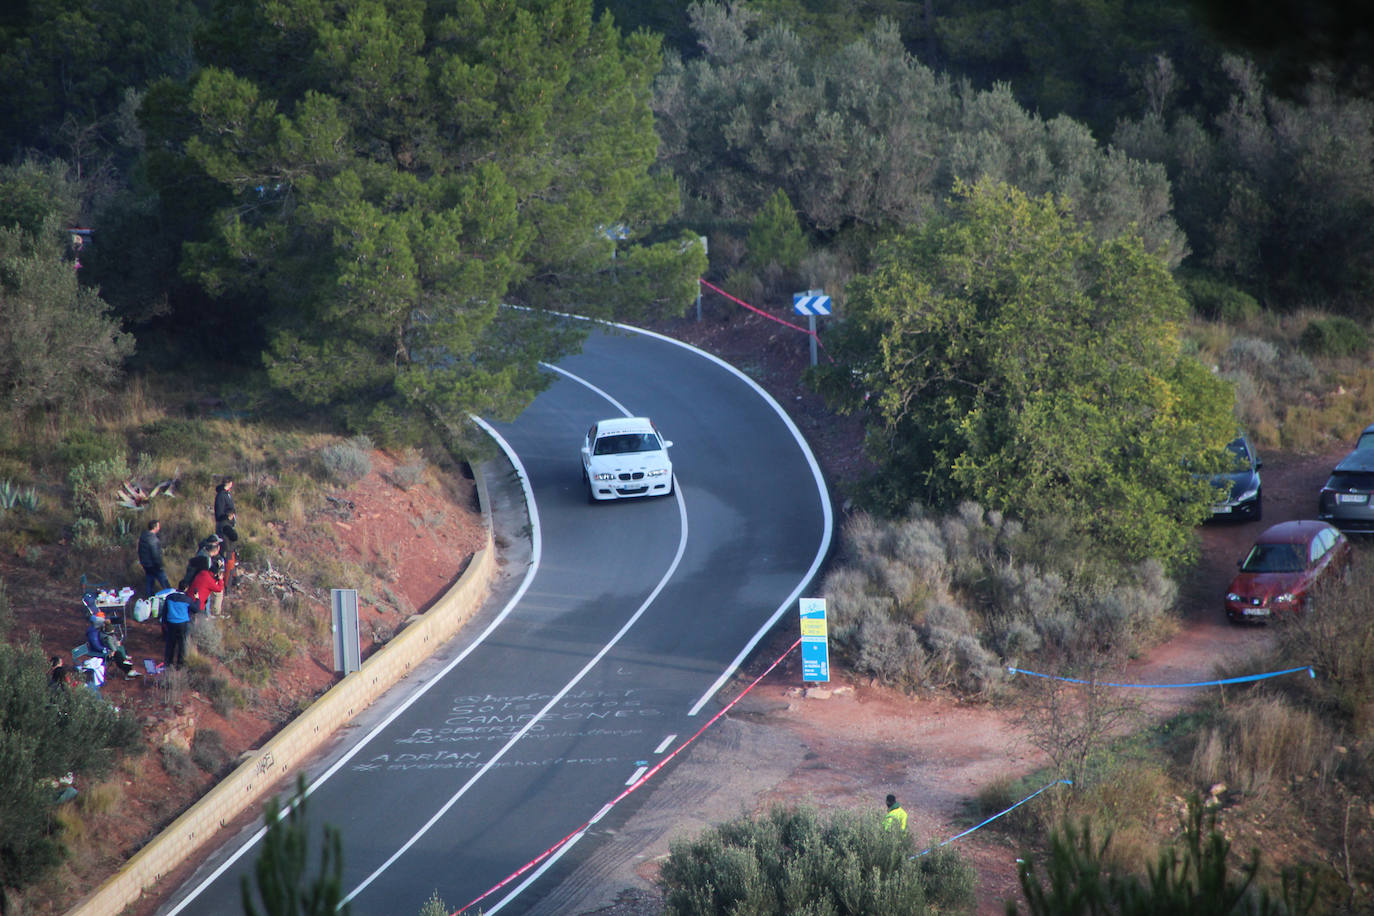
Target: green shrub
(348, 462)
(86, 445)
(791, 861)
(1334, 336)
(184, 440)
(1219, 301)
(93, 485)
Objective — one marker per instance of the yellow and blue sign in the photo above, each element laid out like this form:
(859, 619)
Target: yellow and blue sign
(814, 645)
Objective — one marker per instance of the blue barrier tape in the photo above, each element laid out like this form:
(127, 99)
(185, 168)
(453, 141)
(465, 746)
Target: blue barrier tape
(1229, 680)
(1067, 782)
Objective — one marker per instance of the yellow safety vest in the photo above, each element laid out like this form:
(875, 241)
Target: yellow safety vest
(895, 816)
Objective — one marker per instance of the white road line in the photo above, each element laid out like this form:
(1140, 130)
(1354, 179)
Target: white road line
(664, 746)
(536, 552)
(586, 669)
(634, 778)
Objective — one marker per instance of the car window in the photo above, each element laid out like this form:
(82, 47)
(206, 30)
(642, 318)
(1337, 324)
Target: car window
(1366, 441)
(1328, 539)
(1315, 550)
(1351, 480)
(1274, 558)
(625, 443)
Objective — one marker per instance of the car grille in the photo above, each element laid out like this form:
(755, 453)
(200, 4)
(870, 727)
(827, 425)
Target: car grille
(632, 475)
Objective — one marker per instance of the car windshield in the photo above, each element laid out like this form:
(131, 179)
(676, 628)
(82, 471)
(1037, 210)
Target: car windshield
(625, 443)
(1274, 558)
(1240, 455)
(1366, 441)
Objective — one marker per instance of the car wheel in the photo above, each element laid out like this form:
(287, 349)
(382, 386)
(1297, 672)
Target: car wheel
(1259, 506)
(591, 495)
(670, 487)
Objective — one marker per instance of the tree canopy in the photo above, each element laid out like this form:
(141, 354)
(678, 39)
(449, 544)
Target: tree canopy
(58, 343)
(1005, 354)
(393, 172)
(865, 136)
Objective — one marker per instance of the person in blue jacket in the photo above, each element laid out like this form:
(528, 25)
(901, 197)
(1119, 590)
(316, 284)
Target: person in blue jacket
(176, 618)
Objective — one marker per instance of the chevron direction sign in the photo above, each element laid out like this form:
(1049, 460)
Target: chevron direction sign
(811, 302)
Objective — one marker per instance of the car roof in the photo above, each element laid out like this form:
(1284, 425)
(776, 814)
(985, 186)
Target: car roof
(620, 425)
(1358, 460)
(1291, 532)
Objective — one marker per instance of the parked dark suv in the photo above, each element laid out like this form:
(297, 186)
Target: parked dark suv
(1238, 485)
(1347, 500)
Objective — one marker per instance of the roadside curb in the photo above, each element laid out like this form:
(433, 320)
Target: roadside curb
(304, 735)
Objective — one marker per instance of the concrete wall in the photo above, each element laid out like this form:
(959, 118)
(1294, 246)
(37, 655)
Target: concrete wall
(295, 743)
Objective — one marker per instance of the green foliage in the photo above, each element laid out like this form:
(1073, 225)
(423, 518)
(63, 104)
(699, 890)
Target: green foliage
(862, 136)
(209, 752)
(1198, 880)
(93, 485)
(1336, 336)
(1274, 192)
(1006, 353)
(83, 444)
(58, 345)
(45, 733)
(790, 861)
(180, 769)
(180, 439)
(434, 906)
(281, 885)
(382, 202)
(775, 235)
(1217, 300)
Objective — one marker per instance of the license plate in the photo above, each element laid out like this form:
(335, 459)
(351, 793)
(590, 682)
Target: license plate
(1256, 612)
(1351, 497)
(1220, 510)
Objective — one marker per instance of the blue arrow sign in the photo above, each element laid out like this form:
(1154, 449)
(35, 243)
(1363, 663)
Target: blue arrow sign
(809, 304)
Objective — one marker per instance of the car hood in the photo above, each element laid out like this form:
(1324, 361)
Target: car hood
(634, 461)
(1236, 482)
(1265, 585)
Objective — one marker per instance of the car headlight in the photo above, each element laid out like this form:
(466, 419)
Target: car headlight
(1232, 596)
(603, 476)
(1285, 598)
(659, 472)
(1247, 495)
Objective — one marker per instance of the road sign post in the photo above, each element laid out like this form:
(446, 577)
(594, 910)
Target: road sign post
(814, 641)
(811, 303)
(348, 651)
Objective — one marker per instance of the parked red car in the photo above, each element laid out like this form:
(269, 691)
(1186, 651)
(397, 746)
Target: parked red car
(1280, 571)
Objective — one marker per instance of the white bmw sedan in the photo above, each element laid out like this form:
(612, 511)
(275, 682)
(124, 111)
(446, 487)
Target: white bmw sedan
(626, 457)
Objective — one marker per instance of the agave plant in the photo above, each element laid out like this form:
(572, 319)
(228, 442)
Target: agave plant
(9, 494)
(28, 498)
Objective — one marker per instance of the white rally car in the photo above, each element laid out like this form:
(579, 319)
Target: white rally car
(626, 457)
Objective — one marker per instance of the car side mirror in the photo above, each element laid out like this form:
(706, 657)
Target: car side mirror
(667, 443)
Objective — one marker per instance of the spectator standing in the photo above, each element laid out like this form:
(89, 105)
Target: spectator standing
(895, 819)
(207, 583)
(57, 674)
(150, 558)
(228, 548)
(224, 499)
(200, 560)
(176, 618)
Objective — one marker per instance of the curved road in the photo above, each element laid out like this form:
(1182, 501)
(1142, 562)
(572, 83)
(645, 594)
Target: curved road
(609, 652)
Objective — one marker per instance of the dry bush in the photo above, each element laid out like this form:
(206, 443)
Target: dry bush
(1261, 742)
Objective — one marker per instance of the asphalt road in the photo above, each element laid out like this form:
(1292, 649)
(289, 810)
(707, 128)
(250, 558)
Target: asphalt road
(601, 657)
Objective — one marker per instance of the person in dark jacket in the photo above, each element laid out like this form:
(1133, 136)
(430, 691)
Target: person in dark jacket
(201, 560)
(224, 499)
(150, 558)
(228, 548)
(176, 618)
